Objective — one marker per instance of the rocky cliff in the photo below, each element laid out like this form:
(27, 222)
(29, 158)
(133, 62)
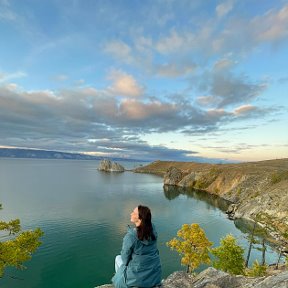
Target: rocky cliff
(258, 190)
(212, 278)
(109, 166)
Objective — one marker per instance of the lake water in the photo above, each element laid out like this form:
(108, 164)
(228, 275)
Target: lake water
(84, 214)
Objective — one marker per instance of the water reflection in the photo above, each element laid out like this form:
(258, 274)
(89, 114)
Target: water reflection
(172, 192)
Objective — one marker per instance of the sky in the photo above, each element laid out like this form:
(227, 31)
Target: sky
(156, 79)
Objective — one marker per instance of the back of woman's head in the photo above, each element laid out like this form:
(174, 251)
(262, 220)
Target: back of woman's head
(145, 230)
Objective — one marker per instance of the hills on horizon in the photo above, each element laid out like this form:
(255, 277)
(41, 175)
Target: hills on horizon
(48, 154)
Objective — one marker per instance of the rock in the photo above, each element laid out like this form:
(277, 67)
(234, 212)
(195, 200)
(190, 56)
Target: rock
(179, 279)
(109, 166)
(173, 176)
(188, 180)
(231, 211)
(212, 278)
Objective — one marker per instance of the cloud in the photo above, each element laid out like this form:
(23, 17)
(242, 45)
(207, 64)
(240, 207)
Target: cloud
(234, 34)
(224, 8)
(233, 90)
(171, 43)
(244, 109)
(223, 64)
(135, 110)
(7, 77)
(225, 88)
(173, 70)
(271, 27)
(120, 50)
(124, 84)
(6, 12)
(206, 100)
(61, 78)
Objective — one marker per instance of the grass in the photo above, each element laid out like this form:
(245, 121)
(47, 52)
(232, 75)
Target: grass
(279, 176)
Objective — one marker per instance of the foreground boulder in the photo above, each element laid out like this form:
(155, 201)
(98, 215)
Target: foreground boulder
(109, 166)
(212, 278)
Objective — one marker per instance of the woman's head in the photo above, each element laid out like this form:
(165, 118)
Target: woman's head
(141, 217)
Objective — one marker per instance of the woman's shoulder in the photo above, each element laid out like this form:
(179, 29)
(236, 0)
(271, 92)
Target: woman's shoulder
(131, 233)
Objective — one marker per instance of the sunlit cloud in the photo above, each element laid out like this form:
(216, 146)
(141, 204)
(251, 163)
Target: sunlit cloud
(124, 84)
(273, 26)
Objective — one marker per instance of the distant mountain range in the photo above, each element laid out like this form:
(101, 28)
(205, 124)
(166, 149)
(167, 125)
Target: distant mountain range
(46, 154)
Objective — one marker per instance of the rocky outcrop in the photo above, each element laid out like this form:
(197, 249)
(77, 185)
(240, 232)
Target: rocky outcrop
(212, 278)
(173, 176)
(109, 166)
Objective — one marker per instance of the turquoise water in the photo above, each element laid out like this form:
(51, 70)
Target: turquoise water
(84, 214)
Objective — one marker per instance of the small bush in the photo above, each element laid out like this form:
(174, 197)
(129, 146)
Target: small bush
(257, 270)
(229, 256)
(193, 245)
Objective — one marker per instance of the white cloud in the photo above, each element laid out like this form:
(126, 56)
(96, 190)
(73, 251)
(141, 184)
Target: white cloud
(244, 109)
(173, 70)
(119, 50)
(124, 85)
(272, 26)
(170, 43)
(207, 100)
(223, 64)
(224, 8)
(6, 77)
(133, 109)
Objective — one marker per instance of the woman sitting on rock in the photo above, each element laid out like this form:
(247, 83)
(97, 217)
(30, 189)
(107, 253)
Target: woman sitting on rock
(139, 262)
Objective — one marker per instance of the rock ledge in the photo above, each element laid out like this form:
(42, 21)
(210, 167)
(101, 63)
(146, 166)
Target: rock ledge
(212, 278)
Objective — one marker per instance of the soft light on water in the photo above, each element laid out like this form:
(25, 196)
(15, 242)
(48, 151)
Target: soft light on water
(84, 214)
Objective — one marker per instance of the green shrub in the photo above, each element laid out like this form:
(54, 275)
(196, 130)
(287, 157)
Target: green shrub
(257, 270)
(279, 176)
(229, 256)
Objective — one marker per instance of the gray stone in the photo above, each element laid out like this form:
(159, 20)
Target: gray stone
(109, 166)
(212, 278)
(173, 176)
(188, 180)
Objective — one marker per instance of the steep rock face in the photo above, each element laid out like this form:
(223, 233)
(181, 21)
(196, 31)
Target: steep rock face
(212, 278)
(173, 176)
(109, 166)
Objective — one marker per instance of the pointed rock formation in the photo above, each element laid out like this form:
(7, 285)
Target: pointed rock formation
(109, 166)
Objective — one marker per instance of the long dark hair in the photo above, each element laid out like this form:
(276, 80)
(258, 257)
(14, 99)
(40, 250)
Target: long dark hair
(145, 230)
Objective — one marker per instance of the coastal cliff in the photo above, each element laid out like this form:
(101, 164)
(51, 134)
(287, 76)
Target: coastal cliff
(258, 190)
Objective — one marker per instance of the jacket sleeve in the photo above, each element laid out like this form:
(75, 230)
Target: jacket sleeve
(127, 248)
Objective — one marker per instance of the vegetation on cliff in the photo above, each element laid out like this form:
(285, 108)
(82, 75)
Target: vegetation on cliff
(257, 189)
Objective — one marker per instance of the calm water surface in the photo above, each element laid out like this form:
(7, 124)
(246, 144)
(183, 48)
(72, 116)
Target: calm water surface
(84, 214)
